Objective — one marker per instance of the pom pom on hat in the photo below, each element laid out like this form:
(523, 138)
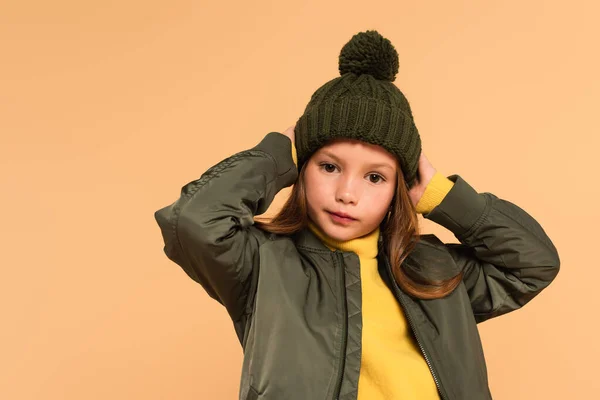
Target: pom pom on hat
(369, 53)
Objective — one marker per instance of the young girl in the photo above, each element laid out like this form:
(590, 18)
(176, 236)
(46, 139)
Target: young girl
(338, 296)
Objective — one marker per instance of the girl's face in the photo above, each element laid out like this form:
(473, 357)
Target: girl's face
(353, 177)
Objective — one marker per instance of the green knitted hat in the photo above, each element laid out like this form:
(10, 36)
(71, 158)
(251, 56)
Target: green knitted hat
(363, 104)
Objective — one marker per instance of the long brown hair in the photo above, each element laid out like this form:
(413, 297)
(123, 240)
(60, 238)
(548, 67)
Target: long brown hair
(400, 231)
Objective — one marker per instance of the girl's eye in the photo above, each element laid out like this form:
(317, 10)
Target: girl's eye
(326, 165)
(377, 176)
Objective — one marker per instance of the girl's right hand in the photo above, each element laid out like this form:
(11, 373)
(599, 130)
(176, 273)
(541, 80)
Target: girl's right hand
(289, 132)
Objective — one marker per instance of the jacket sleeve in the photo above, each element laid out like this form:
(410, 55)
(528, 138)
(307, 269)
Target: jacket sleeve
(209, 230)
(506, 256)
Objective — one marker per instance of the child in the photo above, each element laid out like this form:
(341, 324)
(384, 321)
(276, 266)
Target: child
(355, 306)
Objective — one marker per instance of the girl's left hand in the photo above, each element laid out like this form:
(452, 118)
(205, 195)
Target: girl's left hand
(425, 172)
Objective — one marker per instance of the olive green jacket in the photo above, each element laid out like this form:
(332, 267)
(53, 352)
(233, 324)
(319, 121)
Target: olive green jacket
(296, 305)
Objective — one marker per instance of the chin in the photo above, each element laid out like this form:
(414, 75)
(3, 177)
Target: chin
(339, 233)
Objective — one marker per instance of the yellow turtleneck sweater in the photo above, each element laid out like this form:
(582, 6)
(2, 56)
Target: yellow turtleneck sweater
(392, 365)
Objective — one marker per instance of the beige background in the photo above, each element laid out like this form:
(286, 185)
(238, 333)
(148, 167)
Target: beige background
(108, 108)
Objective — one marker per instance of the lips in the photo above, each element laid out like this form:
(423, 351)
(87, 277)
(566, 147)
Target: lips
(341, 214)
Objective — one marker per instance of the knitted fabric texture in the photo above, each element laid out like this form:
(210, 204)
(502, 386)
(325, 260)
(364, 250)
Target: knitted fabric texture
(362, 103)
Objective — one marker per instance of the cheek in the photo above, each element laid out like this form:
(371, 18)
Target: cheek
(378, 202)
(318, 191)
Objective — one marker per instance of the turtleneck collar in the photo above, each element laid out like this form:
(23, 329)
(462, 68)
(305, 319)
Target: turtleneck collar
(364, 246)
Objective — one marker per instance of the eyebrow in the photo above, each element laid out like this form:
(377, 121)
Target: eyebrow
(374, 165)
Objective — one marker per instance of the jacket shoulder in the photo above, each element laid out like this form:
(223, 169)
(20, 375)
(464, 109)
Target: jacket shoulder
(431, 260)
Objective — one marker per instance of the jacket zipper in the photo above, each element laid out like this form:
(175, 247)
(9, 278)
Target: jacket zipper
(417, 335)
(342, 360)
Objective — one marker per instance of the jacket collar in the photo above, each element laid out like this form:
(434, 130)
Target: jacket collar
(364, 246)
(430, 258)
(307, 239)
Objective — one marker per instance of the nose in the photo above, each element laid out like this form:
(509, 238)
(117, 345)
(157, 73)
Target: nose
(347, 191)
